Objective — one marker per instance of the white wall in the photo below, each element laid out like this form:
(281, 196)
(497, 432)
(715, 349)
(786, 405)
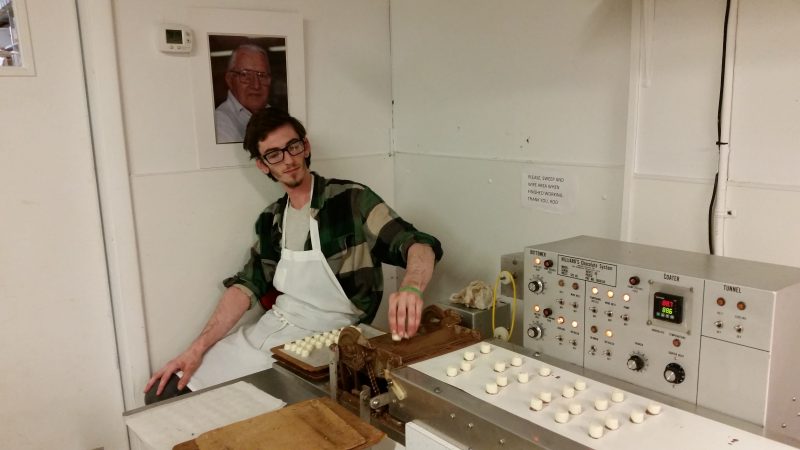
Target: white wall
(60, 385)
(486, 90)
(195, 226)
(676, 156)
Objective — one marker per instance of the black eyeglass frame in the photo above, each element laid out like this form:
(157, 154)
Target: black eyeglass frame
(291, 148)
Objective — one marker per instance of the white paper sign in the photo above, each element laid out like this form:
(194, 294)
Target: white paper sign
(548, 189)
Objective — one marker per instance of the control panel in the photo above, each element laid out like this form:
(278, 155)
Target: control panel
(709, 330)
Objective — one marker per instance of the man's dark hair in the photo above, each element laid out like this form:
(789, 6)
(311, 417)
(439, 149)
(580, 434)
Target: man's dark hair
(265, 122)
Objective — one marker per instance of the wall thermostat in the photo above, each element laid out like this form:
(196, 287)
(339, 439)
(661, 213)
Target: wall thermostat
(174, 38)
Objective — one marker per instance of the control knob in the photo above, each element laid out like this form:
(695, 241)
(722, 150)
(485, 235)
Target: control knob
(535, 332)
(636, 363)
(674, 373)
(536, 286)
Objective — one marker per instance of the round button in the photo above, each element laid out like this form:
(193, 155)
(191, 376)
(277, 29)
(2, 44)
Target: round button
(466, 366)
(499, 366)
(601, 404)
(654, 409)
(575, 409)
(547, 312)
(674, 373)
(486, 348)
(568, 392)
(544, 371)
(548, 263)
(617, 396)
(452, 371)
(635, 363)
(546, 396)
(535, 332)
(637, 416)
(469, 356)
(612, 423)
(721, 301)
(580, 385)
(522, 377)
(516, 361)
(537, 404)
(634, 280)
(491, 388)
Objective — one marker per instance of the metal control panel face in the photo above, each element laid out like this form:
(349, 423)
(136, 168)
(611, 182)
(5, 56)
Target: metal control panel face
(634, 324)
(717, 332)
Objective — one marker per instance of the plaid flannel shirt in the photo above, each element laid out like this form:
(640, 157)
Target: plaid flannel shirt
(357, 231)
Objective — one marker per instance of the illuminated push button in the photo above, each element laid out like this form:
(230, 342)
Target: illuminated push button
(502, 380)
(545, 396)
(485, 348)
(452, 371)
(575, 286)
(626, 297)
(721, 301)
(516, 361)
(466, 366)
(609, 333)
(544, 371)
(568, 392)
(612, 423)
(491, 388)
(595, 430)
(741, 306)
(637, 416)
(610, 294)
(617, 396)
(595, 290)
(561, 320)
(537, 261)
(654, 409)
(523, 377)
(537, 308)
(574, 324)
(537, 404)
(499, 366)
(469, 355)
(580, 385)
(575, 409)
(561, 416)
(601, 404)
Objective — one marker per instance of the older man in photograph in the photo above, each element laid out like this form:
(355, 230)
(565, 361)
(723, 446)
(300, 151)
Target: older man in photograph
(248, 79)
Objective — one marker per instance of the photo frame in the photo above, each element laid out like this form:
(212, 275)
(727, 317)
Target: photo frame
(16, 51)
(220, 81)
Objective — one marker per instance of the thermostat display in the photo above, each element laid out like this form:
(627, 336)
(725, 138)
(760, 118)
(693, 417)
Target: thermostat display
(668, 307)
(175, 39)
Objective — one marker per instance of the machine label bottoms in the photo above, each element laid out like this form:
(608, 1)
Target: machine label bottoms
(586, 269)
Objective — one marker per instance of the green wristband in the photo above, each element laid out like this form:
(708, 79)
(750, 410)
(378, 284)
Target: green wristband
(411, 289)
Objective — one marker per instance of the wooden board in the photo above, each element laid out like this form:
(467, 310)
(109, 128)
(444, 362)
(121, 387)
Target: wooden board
(316, 423)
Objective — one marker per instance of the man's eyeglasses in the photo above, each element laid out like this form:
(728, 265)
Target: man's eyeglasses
(250, 76)
(293, 147)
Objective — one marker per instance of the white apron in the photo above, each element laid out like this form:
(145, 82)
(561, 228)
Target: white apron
(312, 301)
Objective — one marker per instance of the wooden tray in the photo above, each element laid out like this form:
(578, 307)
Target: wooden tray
(272, 429)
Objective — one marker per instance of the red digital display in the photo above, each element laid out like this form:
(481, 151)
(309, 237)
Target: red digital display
(668, 307)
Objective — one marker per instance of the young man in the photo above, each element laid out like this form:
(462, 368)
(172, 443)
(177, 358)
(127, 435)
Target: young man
(321, 246)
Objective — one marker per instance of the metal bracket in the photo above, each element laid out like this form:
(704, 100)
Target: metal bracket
(363, 404)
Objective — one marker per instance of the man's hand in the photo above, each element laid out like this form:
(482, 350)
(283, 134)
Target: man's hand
(405, 305)
(405, 310)
(187, 361)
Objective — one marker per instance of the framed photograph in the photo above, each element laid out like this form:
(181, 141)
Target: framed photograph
(244, 61)
(16, 52)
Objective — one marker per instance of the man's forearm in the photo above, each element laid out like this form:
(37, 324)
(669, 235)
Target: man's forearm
(230, 309)
(419, 266)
